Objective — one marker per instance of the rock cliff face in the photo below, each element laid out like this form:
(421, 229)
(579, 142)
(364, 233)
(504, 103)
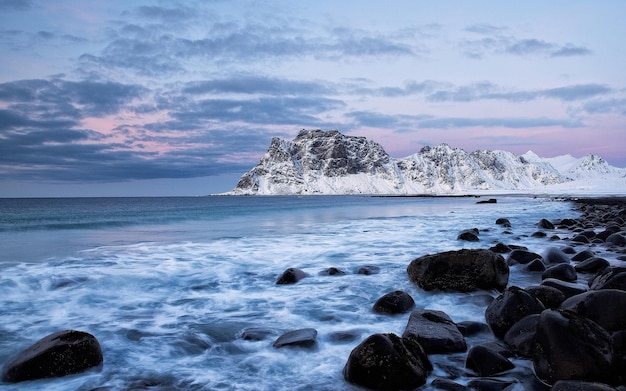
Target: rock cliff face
(328, 162)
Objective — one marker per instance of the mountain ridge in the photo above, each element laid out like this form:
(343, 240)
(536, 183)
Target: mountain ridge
(331, 163)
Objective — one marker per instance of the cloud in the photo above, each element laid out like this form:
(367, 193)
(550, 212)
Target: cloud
(15, 5)
(495, 40)
(256, 84)
(512, 123)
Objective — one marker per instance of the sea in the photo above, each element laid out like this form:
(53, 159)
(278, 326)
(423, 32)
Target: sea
(169, 286)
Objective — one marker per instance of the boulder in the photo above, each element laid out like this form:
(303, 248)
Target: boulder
(469, 235)
(332, 271)
(444, 384)
(569, 289)
(487, 362)
(501, 248)
(616, 239)
(387, 362)
(59, 354)
(549, 296)
(606, 307)
(462, 271)
(291, 276)
(521, 257)
(368, 270)
(397, 302)
(561, 271)
(555, 255)
(545, 224)
(612, 277)
(470, 328)
(305, 338)
(536, 265)
(521, 336)
(503, 222)
(435, 332)
(570, 347)
(592, 265)
(510, 307)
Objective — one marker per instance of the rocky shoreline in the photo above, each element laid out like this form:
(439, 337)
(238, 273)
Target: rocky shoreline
(566, 333)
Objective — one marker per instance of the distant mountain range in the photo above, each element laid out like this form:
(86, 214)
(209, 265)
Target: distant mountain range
(328, 162)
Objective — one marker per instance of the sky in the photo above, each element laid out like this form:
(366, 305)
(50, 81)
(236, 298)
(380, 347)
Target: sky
(166, 98)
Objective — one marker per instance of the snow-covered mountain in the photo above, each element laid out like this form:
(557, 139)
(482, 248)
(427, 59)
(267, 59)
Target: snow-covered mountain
(328, 162)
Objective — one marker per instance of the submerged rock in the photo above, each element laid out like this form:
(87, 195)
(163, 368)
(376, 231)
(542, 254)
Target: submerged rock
(387, 362)
(291, 276)
(303, 338)
(59, 354)
(463, 271)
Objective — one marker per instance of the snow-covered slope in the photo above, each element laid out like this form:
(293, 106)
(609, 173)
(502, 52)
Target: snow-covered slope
(328, 162)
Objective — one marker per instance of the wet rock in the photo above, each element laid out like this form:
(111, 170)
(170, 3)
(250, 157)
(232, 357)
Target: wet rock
(503, 222)
(580, 239)
(562, 271)
(463, 271)
(397, 302)
(592, 265)
(510, 307)
(616, 239)
(332, 271)
(535, 265)
(291, 276)
(487, 362)
(545, 224)
(521, 257)
(469, 235)
(490, 384)
(387, 362)
(570, 347)
(549, 296)
(501, 248)
(435, 332)
(344, 336)
(612, 277)
(606, 307)
(489, 201)
(469, 328)
(368, 270)
(554, 255)
(306, 338)
(59, 354)
(569, 289)
(577, 385)
(256, 333)
(447, 385)
(521, 336)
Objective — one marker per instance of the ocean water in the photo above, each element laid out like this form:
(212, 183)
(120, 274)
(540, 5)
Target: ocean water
(168, 285)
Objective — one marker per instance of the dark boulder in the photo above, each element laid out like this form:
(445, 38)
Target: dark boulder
(306, 338)
(521, 257)
(549, 296)
(510, 307)
(59, 354)
(592, 265)
(616, 239)
(606, 307)
(545, 224)
(490, 384)
(569, 289)
(501, 248)
(397, 302)
(435, 332)
(535, 265)
(521, 336)
(332, 271)
(612, 277)
(577, 385)
(555, 255)
(469, 235)
(503, 222)
(368, 270)
(463, 271)
(539, 234)
(562, 271)
(257, 333)
(487, 362)
(444, 384)
(580, 238)
(570, 347)
(387, 362)
(489, 201)
(470, 328)
(291, 276)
